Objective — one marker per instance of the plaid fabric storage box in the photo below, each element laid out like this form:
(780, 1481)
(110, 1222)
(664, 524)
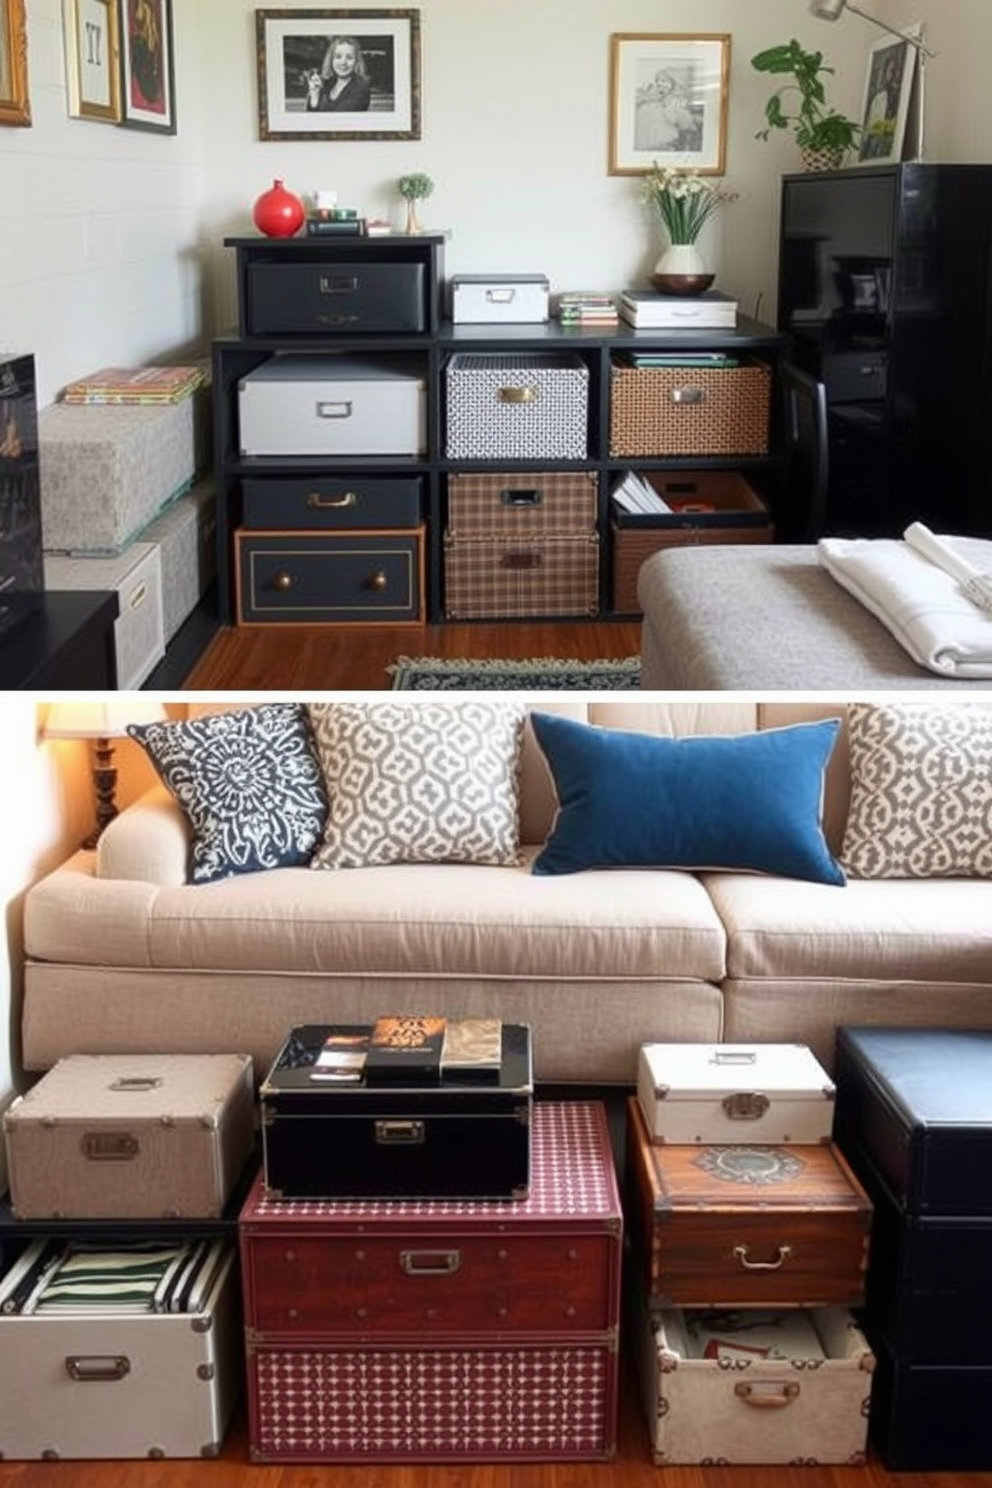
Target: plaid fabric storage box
(512, 577)
(516, 504)
(690, 410)
(107, 469)
(185, 535)
(441, 1330)
(516, 406)
(708, 506)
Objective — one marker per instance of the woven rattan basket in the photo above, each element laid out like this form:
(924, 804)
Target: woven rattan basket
(690, 410)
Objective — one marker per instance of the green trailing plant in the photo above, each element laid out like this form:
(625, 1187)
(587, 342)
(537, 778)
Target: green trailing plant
(415, 187)
(816, 125)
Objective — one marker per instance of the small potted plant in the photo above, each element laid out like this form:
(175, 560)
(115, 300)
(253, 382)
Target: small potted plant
(823, 135)
(413, 188)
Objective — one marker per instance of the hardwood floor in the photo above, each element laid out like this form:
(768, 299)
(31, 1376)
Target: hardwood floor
(330, 658)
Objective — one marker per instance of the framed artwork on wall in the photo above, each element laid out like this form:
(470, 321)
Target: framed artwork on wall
(147, 71)
(14, 105)
(668, 102)
(92, 59)
(888, 88)
(338, 74)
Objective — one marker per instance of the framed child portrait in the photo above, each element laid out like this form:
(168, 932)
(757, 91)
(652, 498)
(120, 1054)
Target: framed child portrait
(338, 74)
(147, 69)
(888, 89)
(668, 103)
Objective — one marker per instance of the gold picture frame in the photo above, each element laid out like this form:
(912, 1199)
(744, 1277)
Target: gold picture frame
(668, 102)
(92, 59)
(15, 107)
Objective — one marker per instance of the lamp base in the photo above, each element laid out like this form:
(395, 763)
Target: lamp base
(105, 788)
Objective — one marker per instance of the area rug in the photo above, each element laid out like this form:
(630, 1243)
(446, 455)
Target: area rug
(542, 674)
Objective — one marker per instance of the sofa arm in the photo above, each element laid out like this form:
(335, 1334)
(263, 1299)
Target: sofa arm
(149, 842)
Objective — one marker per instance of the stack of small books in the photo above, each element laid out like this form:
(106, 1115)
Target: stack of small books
(135, 385)
(340, 222)
(587, 308)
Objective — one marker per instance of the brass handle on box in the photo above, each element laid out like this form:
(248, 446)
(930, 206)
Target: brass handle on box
(518, 395)
(317, 502)
(95, 1368)
(766, 1399)
(782, 1255)
(688, 395)
(400, 1133)
(745, 1105)
(283, 581)
(430, 1262)
(108, 1146)
(521, 560)
(137, 596)
(377, 581)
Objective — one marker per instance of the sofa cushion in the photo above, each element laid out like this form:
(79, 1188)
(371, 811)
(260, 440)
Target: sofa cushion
(750, 802)
(424, 782)
(249, 784)
(921, 791)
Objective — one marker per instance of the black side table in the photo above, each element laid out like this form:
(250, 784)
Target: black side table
(65, 642)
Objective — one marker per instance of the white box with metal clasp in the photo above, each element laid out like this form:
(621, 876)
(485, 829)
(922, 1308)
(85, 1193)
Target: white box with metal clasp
(308, 403)
(734, 1093)
(499, 299)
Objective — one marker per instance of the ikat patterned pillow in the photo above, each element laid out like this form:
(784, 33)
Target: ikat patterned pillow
(419, 782)
(921, 791)
(249, 783)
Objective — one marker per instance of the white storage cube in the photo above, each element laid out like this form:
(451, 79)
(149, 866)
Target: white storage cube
(506, 299)
(186, 536)
(516, 407)
(136, 576)
(751, 1408)
(753, 1093)
(310, 404)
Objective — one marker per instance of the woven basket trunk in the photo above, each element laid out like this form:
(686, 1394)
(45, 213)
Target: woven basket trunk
(690, 410)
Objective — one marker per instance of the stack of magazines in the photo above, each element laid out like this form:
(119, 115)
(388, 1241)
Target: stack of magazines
(79, 1279)
(135, 385)
(587, 308)
(635, 495)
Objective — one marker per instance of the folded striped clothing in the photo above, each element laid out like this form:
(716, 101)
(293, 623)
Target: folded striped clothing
(80, 1279)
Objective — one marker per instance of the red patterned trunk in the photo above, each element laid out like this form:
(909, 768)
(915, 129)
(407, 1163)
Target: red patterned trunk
(441, 1330)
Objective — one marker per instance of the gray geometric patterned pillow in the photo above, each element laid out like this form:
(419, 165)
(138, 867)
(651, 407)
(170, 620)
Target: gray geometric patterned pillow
(419, 782)
(249, 783)
(921, 791)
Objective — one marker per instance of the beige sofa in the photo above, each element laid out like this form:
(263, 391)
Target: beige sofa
(124, 954)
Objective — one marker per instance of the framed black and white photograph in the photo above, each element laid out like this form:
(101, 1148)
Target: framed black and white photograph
(668, 102)
(92, 59)
(147, 72)
(338, 74)
(14, 105)
(888, 88)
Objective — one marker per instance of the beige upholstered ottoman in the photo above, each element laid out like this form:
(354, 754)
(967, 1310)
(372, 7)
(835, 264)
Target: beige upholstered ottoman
(743, 618)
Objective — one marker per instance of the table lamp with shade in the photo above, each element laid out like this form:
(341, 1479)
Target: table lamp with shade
(102, 722)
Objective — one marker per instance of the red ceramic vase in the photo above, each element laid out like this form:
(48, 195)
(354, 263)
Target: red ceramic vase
(278, 213)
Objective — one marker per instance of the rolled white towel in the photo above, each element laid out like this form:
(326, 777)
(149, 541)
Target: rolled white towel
(975, 585)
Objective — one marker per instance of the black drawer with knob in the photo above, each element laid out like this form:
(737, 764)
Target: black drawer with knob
(332, 502)
(302, 578)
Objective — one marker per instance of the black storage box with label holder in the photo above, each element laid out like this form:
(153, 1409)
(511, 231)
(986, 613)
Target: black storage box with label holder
(467, 1136)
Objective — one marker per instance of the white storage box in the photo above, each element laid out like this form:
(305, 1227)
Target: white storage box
(751, 1408)
(753, 1093)
(186, 537)
(136, 576)
(105, 1382)
(308, 404)
(505, 299)
(107, 469)
(517, 407)
(131, 1136)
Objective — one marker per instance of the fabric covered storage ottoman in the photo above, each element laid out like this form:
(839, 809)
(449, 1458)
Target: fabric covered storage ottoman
(122, 1377)
(136, 577)
(768, 1394)
(186, 537)
(133, 1136)
(107, 469)
(441, 1330)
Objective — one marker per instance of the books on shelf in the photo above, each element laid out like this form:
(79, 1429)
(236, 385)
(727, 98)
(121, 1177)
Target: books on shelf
(135, 385)
(580, 307)
(705, 359)
(323, 225)
(646, 309)
(635, 494)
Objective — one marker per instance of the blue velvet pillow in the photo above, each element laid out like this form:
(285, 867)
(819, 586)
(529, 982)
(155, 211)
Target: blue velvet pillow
(750, 802)
(249, 783)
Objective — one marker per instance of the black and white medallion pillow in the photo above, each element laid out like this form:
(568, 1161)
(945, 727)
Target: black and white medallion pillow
(419, 782)
(249, 783)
